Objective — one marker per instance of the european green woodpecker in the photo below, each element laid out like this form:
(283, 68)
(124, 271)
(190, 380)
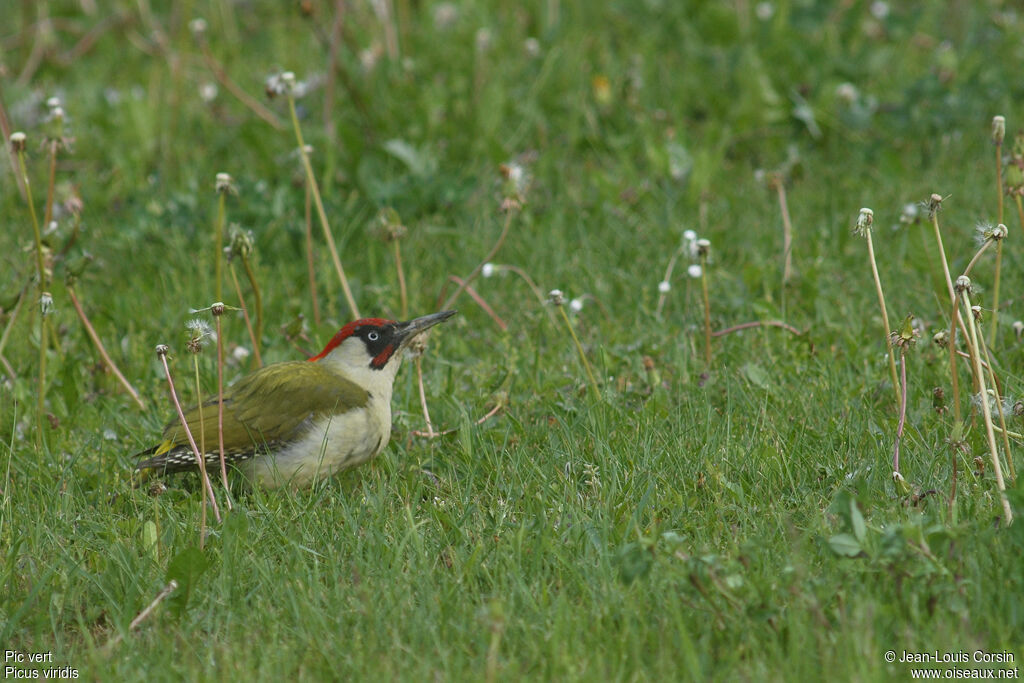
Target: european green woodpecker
(295, 422)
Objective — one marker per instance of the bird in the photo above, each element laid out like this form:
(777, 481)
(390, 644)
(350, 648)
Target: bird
(297, 422)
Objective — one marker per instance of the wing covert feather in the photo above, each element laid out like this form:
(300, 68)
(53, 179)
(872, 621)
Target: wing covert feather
(270, 405)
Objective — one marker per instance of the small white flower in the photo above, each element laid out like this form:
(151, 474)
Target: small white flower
(847, 92)
(532, 47)
(208, 92)
(764, 11)
(240, 353)
(109, 434)
(690, 235)
(197, 26)
(576, 305)
(53, 103)
(879, 10)
(664, 286)
(487, 270)
(695, 271)
(910, 214)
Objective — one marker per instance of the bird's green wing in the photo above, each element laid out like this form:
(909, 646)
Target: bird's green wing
(268, 406)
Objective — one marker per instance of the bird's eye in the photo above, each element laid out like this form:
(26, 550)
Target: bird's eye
(373, 336)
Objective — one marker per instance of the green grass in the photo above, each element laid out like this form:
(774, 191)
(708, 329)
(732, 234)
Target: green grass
(691, 524)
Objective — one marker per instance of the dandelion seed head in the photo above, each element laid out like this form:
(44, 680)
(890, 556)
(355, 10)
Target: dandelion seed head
(224, 183)
(576, 305)
(46, 303)
(695, 271)
(556, 297)
(865, 219)
(664, 286)
(998, 129)
(487, 270)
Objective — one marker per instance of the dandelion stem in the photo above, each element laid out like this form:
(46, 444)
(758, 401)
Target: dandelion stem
(479, 301)
(490, 413)
(994, 330)
(171, 586)
(191, 441)
(202, 438)
(99, 346)
(787, 233)
(218, 240)
(885, 314)
(583, 356)
(245, 98)
(707, 310)
(985, 409)
(995, 292)
(51, 182)
(42, 283)
(309, 256)
(1012, 470)
(662, 296)
(942, 254)
(423, 394)
(954, 374)
(218, 312)
(401, 279)
(321, 213)
(985, 245)
(903, 410)
(757, 323)
(487, 259)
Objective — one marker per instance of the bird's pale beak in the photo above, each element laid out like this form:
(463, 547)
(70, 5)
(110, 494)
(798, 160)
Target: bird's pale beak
(407, 331)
